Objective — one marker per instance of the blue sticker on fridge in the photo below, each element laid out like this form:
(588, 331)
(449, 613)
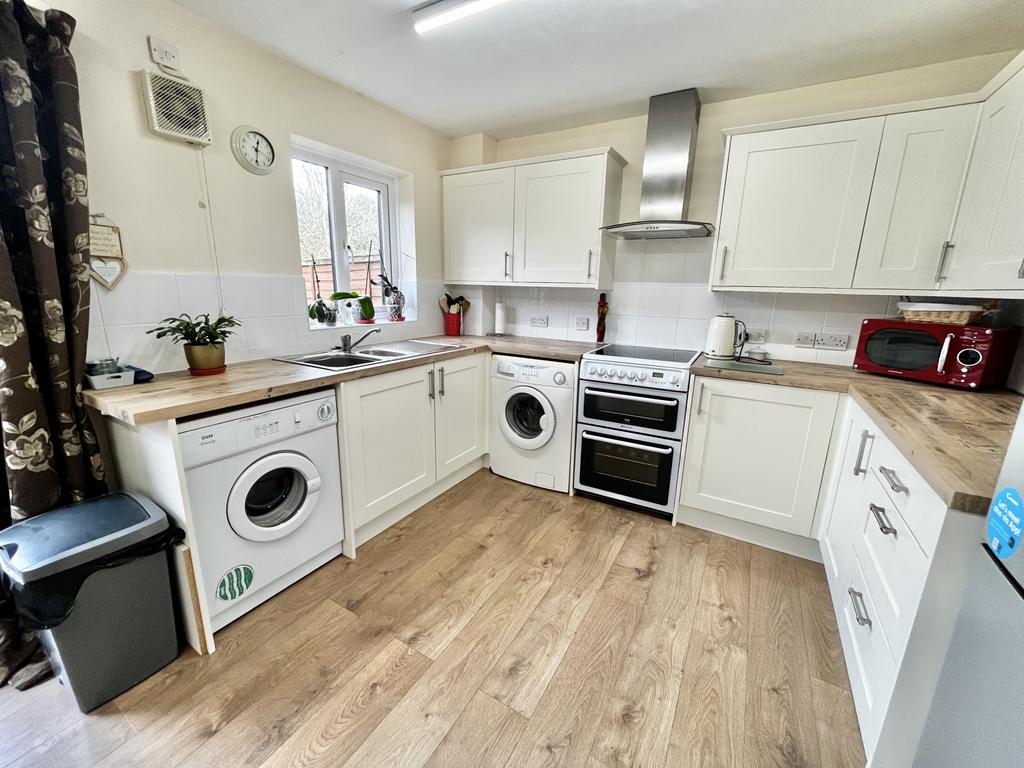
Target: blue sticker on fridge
(1004, 522)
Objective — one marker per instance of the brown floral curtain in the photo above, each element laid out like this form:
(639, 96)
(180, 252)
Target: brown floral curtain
(50, 452)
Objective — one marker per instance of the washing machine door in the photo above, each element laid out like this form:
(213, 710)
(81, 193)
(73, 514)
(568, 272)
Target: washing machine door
(273, 496)
(527, 418)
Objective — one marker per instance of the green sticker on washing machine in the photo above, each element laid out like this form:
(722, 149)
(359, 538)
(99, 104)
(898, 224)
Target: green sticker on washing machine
(234, 583)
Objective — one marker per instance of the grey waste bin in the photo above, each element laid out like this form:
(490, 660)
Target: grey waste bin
(94, 578)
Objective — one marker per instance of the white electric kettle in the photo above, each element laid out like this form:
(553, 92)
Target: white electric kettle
(726, 337)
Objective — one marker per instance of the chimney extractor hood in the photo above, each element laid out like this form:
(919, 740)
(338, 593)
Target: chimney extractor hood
(668, 162)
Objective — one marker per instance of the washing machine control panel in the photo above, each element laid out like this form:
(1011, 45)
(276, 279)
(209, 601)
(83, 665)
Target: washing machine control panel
(207, 443)
(538, 375)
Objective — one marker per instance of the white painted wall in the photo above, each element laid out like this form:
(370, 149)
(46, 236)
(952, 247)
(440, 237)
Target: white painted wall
(152, 187)
(660, 295)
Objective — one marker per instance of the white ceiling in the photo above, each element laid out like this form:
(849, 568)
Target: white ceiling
(532, 65)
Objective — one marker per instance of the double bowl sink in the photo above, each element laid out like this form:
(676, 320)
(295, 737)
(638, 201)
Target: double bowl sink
(337, 359)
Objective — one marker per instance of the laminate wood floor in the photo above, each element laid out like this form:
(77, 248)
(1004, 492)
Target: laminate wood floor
(501, 625)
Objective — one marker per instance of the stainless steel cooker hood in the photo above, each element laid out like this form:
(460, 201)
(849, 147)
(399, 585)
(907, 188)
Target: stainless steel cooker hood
(668, 162)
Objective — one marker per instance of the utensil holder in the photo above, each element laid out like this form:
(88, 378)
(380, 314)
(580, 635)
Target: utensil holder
(453, 324)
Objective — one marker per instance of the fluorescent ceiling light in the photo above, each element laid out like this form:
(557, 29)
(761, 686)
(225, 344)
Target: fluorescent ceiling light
(446, 11)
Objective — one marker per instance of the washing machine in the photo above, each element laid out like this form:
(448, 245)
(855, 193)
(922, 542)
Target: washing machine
(264, 485)
(532, 407)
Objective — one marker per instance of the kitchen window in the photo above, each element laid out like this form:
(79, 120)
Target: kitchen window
(347, 235)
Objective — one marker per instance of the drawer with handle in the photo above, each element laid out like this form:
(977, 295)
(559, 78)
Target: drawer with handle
(893, 563)
(908, 493)
(874, 672)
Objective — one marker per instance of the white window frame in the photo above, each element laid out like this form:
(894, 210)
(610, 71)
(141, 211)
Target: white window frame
(339, 172)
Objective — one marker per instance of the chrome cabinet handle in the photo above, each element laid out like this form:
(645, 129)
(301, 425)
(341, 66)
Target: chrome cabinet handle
(943, 255)
(590, 264)
(1020, 272)
(940, 367)
(858, 468)
(430, 383)
(632, 398)
(624, 444)
(508, 271)
(440, 386)
(721, 267)
(893, 480)
(860, 610)
(700, 397)
(884, 525)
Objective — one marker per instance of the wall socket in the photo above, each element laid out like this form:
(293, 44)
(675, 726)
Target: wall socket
(582, 323)
(538, 321)
(834, 341)
(164, 53)
(757, 335)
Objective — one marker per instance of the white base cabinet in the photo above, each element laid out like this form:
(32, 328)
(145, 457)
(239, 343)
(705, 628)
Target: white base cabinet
(895, 611)
(757, 452)
(405, 430)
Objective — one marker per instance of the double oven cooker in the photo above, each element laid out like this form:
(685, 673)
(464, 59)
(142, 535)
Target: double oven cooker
(629, 424)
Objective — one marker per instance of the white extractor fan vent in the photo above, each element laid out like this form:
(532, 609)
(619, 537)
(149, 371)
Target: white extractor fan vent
(176, 109)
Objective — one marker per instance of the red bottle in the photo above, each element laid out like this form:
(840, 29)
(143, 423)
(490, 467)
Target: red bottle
(602, 313)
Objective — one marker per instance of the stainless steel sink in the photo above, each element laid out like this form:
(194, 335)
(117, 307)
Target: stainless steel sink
(379, 354)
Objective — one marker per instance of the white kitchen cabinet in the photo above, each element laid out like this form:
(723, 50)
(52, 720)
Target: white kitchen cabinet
(533, 222)
(559, 214)
(918, 178)
(793, 205)
(388, 425)
(478, 212)
(756, 452)
(406, 430)
(460, 415)
(988, 239)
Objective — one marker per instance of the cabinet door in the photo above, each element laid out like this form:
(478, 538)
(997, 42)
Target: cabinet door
(388, 424)
(756, 452)
(559, 210)
(989, 237)
(478, 213)
(459, 414)
(793, 205)
(920, 171)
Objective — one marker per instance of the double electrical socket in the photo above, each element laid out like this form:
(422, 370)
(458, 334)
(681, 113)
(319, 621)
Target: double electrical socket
(834, 341)
(757, 335)
(538, 321)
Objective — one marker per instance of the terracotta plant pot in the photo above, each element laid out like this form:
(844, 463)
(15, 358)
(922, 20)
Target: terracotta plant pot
(205, 359)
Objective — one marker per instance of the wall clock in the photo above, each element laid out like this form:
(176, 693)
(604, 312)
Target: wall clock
(252, 150)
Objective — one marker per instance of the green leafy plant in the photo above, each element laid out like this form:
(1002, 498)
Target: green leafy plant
(197, 331)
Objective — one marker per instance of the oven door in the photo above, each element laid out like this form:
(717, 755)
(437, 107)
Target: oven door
(639, 470)
(645, 411)
(921, 351)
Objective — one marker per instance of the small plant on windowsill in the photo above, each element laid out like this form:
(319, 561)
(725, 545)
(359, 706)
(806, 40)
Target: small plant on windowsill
(320, 310)
(203, 338)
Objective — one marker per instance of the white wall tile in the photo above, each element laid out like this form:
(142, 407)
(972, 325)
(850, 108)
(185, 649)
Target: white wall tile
(663, 266)
(691, 333)
(629, 261)
(754, 309)
(132, 345)
(805, 311)
(698, 302)
(270, 337)
(197, 293)
(140, 298)
(625, 298)
(621, 329)
(258, 295)
(656, 331)
(660, 300)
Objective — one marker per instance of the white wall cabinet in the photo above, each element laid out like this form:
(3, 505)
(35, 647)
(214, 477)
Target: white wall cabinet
(988, 240)
(478, 225)
(404, 431)
(793, 205)
(920, 172)
(757, 452)
(533, 222)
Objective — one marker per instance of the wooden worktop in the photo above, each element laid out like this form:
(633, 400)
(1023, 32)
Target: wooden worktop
(179, 395)
(955, 439)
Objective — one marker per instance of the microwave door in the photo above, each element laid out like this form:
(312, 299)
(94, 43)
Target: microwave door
(902, 349)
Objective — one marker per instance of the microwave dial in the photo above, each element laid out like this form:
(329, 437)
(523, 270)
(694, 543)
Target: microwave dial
(969, 357)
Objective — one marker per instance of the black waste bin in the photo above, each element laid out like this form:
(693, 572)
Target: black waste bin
(93, 577)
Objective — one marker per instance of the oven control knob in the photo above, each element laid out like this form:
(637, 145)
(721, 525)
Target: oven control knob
(599, 371)
(642, 376)
(631, 375)
(675, 379)
(558, 378)
(621, 373)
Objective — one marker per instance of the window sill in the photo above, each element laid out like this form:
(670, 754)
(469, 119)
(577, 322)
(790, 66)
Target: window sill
(318, 326)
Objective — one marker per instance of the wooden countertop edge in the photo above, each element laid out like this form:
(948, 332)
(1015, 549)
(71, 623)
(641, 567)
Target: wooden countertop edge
(106, 402)
(844, 381)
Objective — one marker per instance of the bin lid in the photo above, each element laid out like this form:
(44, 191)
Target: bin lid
(65, 538)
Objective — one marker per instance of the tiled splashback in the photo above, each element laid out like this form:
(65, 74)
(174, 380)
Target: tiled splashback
(272, 309)
(660, 298)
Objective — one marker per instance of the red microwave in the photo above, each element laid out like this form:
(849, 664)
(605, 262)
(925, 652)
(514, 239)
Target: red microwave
(967, 356)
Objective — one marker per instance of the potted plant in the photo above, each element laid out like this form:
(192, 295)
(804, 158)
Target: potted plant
(203, 338)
